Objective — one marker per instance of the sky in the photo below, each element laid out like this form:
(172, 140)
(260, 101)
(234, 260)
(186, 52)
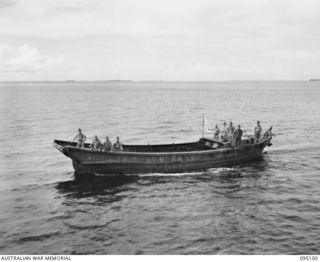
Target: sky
(170, 40)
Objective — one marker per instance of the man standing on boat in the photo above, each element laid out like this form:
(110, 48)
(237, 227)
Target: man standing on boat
(257, 132)
(96, 143)
(223, 133)
(81, 138)
(216, 133)
(117, 145)
(230, 131)
(107, 145)
(237, 136)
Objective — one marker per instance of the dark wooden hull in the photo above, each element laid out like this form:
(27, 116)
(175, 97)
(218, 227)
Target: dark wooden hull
(109, 163)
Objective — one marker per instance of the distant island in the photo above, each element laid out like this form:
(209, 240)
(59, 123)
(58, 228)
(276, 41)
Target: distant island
(113, 80)
(117, 80)
(314, 79)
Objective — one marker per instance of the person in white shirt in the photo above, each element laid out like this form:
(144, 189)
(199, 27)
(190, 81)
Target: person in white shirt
(81, 138)
(223, 132)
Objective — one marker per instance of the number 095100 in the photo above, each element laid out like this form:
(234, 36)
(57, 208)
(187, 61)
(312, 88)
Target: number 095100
(309, 258)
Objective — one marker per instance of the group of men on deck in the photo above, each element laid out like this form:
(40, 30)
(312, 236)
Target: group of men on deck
(97, 144)
(233, 135)
(227, 133)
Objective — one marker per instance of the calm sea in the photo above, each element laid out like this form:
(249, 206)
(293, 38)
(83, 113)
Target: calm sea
(267, 207)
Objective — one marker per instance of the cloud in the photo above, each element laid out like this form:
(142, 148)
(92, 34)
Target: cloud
(6, 3)
(27, 59)
(83, 18)
(151, 39)
(231, 19)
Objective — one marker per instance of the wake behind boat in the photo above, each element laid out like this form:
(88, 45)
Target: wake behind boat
(203, 154)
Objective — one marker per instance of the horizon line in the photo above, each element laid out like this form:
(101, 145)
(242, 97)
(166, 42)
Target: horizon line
(71, 81)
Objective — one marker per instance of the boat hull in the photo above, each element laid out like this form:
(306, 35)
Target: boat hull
(86, 161)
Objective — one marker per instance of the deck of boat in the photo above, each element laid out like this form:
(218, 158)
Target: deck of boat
(202, 144)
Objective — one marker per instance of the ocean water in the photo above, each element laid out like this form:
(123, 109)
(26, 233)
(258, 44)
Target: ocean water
(271, 206)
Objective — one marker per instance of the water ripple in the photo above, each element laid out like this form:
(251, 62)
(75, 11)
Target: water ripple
(270, 206)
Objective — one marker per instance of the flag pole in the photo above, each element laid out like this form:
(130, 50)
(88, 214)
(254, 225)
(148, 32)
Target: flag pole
(203, 126)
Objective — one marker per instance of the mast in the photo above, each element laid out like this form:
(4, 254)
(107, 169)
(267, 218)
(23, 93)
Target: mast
(203, 126)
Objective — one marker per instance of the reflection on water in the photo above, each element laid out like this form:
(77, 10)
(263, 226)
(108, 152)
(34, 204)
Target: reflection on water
(85, 186)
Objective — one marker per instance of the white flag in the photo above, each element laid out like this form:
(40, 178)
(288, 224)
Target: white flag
(206, 126)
